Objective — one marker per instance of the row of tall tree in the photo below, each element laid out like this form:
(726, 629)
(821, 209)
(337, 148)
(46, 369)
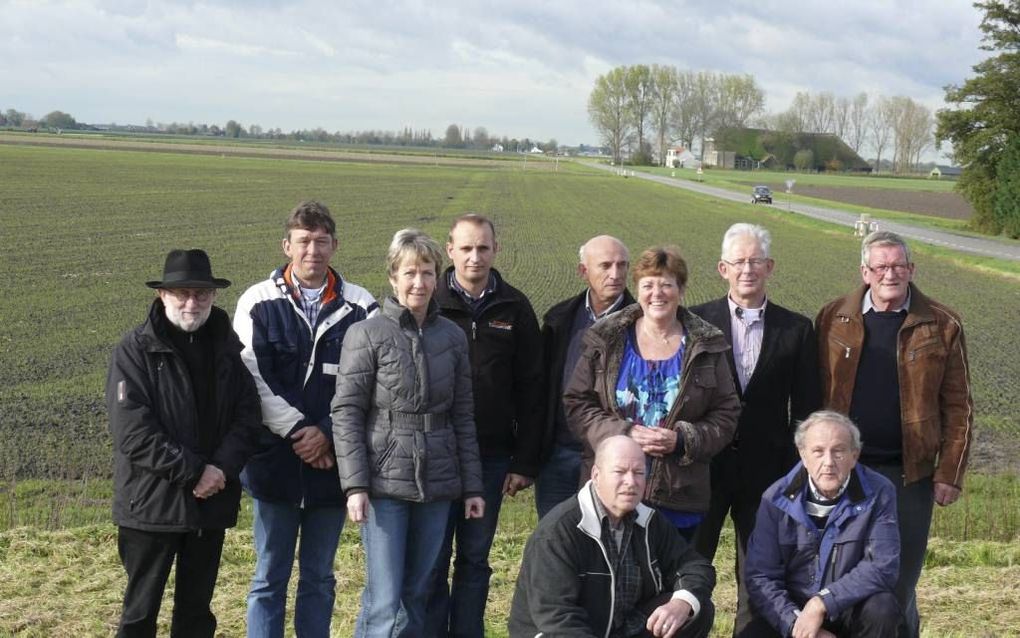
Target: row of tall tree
(633, 106)
(630, 106)
(897, 124)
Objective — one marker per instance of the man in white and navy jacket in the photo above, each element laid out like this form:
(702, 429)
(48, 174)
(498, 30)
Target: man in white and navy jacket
(292, 326)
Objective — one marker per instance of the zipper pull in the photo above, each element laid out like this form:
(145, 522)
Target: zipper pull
(846, 354)
(474, 330)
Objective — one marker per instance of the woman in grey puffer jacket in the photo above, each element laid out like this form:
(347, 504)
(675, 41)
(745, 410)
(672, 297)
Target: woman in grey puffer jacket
(404, 433)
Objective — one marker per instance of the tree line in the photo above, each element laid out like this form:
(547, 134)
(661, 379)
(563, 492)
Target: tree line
(456, 136)
(633, 107)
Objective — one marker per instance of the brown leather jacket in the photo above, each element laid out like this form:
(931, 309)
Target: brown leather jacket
(705, 412)
(936, 408)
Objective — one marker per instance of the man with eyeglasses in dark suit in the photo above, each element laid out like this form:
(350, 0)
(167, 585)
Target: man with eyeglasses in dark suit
(773, 360)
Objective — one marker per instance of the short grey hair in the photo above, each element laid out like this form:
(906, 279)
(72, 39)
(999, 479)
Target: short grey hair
(882, 238)
(411, 241)
(762, 236)
(827, 416)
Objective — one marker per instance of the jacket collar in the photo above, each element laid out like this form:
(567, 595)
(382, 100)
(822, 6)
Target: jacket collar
(590, 522)
(700, 333)
(450, 300)
(155, 337)
(566, 310)
(798, 485)
(391, 308)
(284, 280)
(919, 312)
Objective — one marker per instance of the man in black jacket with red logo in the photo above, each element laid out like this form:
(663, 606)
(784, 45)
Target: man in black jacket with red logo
(184, 415)
(507, 382)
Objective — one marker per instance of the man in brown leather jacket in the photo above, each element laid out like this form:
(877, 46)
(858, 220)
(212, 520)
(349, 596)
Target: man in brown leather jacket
(895, 361)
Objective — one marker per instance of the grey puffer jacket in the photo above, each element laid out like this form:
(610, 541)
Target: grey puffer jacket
(403, 413)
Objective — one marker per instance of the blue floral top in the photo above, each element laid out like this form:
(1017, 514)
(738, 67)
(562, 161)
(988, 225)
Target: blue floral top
(645, 393)
(646, 390)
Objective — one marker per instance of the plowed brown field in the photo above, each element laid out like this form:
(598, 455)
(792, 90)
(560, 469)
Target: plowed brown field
(948, 205)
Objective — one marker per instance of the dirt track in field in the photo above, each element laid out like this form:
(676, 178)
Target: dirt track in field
(948, 205)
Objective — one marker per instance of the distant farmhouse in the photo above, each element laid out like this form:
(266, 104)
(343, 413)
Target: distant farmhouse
(752, 148)
(940, 171)
(680, 157)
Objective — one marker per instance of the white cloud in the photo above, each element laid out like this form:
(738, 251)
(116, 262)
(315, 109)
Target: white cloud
(521, 68)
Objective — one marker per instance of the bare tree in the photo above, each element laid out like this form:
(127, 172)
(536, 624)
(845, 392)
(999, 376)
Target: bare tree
(607, 109)
(858, 123)
(912, 125)
(684, 121)
(640, 97)
(739, 99)
(704, 103)
(879, 122)
(841, 117)
(820, 112)
(797, 115)
(664, 84)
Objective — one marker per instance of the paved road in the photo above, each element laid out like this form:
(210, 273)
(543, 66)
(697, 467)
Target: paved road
(973, 245)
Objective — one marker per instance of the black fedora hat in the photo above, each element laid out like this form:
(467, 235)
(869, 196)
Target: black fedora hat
(188, 269)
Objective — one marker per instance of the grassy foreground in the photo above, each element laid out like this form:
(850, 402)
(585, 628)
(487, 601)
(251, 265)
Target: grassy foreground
(69, 582)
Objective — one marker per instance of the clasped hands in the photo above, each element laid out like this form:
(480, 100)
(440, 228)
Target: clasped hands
(654, 441)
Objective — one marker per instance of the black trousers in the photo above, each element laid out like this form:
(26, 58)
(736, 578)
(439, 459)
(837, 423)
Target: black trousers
(877, 616)
(147, 558)
(733, 496)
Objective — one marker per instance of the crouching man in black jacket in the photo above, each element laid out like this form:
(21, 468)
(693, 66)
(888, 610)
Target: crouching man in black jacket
(184, 415)
(602, 564)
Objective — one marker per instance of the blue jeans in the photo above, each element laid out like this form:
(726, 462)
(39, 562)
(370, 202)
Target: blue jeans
(559, 479)
(914, 505)
(401, 540)
(459, 610)
(277, 527)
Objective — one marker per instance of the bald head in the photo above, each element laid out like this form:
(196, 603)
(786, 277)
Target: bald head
(603, 265)
(619, 475)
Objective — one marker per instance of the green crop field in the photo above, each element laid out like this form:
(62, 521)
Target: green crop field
(83, 228)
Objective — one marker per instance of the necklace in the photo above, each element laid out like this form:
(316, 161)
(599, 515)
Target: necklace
(664, 339)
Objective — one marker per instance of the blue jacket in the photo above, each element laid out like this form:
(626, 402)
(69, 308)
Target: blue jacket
(294, 365)
(789, 559)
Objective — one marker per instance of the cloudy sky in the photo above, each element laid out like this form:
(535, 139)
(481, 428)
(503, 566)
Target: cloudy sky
(519, 68)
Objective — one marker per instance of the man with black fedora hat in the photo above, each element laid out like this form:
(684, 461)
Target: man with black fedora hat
(184, 416)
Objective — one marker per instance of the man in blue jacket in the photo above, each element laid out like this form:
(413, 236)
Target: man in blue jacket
(292, 326)
(824, 555)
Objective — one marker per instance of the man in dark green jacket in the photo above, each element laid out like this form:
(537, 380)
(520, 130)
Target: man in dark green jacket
(184, 416)
(603, 564)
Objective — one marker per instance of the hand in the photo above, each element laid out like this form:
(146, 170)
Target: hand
(357, 507)
(667, 619)
(654, 441)
(809, 623)
(310, 443)
(474, 507)
(324, 462)
(514, 483)
(946, 494)
(212, 480)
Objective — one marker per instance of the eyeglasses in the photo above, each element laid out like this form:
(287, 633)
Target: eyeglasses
(755, 263)
(897, 269)
(200, 295)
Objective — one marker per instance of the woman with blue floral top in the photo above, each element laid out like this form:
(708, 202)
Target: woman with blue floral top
(658, 373)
